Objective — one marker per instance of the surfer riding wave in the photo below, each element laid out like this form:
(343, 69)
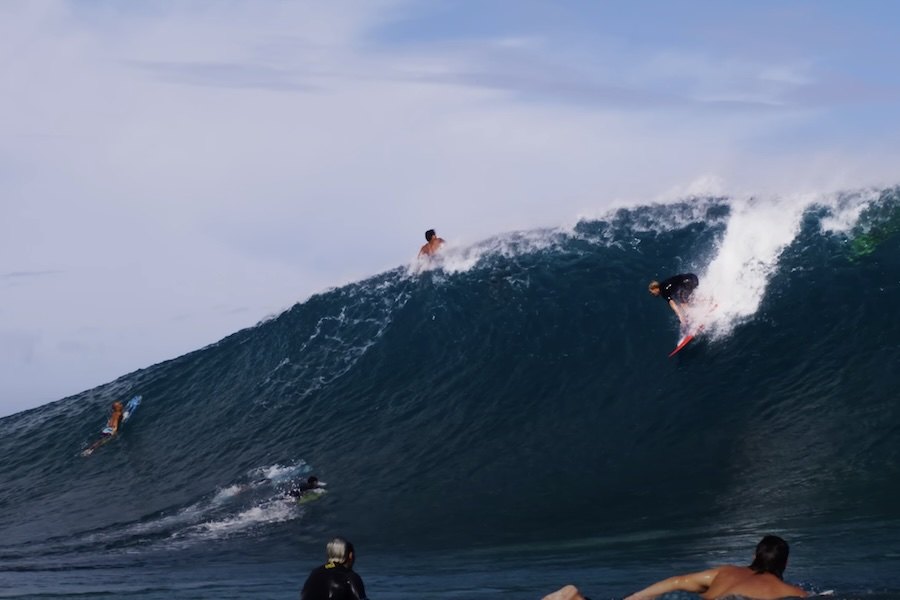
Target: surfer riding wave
(676, 291)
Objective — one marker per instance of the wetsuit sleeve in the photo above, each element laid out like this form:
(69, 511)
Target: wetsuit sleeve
(356, 583)
(315, 585)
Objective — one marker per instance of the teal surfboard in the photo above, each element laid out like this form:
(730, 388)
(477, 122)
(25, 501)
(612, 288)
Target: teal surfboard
(130, 408)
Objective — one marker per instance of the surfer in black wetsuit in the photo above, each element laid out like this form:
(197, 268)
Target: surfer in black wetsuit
(305, 487)
(675, 291)
(335, 580)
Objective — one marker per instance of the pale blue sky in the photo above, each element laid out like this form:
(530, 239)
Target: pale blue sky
(173, 171)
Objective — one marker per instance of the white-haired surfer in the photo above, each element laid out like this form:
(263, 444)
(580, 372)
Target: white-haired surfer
(335, 579)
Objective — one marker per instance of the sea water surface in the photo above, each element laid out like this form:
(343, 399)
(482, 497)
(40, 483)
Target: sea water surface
(503, 422)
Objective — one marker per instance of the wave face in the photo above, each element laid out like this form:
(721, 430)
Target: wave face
(516, 398)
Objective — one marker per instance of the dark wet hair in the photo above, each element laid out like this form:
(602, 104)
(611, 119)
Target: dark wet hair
(429, 234)
(312, 479)
(771, 556)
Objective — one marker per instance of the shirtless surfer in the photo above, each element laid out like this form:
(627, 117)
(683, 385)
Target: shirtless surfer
(676, 291)
(432, 245)
(761, 580)
(112, 427)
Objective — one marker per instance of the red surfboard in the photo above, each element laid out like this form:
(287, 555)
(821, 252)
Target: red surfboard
(681, 344)
(685, 341)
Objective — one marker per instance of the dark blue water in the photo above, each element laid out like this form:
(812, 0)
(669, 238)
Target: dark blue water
(503, 423)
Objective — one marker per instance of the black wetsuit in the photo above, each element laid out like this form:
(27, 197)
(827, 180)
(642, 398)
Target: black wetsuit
(300, 490)
(333, 582)
(678, 288)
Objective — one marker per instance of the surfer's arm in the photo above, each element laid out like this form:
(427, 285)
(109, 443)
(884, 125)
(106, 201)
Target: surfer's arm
(677, 310)
(691, 582)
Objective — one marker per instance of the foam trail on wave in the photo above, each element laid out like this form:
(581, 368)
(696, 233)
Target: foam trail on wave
(846, 210)
(278, 473)
(454, 259)
(275, 511)
(204, 517)
(355, 320)
(733, 284)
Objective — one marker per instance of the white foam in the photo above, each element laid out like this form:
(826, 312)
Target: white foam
(278, 473)
(845, 210)
(275, 511)
(227, 493)
(734, 281)
(453, 259)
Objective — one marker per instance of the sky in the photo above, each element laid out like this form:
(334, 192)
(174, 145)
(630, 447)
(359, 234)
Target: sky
(172, 172)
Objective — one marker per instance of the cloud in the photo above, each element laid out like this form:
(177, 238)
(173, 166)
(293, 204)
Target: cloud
(216, 162)
(226, 75)
(28, 274)
(18, 346)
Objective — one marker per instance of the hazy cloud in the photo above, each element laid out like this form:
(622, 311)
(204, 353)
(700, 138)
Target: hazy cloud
(226, 75)
(28, 274)
(188, 168)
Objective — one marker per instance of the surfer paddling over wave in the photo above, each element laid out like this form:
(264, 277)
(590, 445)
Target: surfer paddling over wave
(308, 490)
(120, 414)
(432, 245)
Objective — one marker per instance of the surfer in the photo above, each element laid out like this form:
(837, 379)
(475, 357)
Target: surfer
(675, 291)
(112, 427)
(761, 580)
(432, 245)
(335, 580)
(305, 487)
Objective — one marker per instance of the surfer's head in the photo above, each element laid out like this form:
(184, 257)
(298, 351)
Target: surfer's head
(117, 406)
(771, 556)
(653, 288)
(340, 551)
(429, 234)
(313, 480)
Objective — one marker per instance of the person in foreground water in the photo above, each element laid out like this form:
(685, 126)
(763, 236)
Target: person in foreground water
(335, 580)
(762, 580)
(676, 291)
(432, 245)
